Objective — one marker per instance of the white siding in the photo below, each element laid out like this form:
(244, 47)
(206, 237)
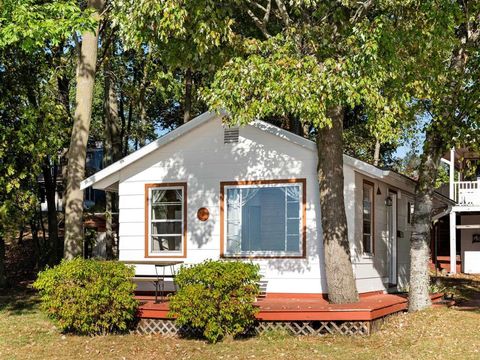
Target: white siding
(202, 160)
(404, 242)
(372, 271)
(467, 235)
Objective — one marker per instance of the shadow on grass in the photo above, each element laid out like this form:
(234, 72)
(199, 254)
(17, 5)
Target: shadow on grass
(18, 300)
(465, 289)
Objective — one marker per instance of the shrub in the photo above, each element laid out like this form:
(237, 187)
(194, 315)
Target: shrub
(216, 297)
(88, 296)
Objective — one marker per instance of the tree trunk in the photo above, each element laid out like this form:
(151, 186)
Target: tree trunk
(112, 148)
(3, 275)
(142, 118)
(123, 124)
(433, 149)
(20, 235)
(187, 114)
(36, 241)
(109, 236)
(295, 126)
(376, 155)
(419, 297)
(50, 191)
(128, 129)
(86, 68)
(141, 102)
(44, 232)
(338, 264)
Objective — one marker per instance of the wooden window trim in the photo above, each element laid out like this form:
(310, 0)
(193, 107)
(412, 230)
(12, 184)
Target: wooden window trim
(223, 184)
(372, 184)
(147, 222)
(393, 191)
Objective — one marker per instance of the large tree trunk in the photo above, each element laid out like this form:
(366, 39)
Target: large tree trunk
(86, 68)
(113, 149)
(419, 297)
(187, 114)
(50, 192)
(338, 264)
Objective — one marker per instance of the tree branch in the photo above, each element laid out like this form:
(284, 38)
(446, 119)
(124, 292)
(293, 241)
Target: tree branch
(261, 24)
(362, 10)
(283, 12)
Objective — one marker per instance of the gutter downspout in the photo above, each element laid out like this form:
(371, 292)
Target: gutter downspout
(447, 211)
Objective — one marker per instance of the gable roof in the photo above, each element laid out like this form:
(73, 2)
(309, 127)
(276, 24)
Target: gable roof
(109, 176)
(113, 169)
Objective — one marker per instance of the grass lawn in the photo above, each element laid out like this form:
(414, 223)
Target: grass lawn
(437, 333)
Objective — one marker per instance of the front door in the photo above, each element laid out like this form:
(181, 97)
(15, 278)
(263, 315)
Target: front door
(392, 238)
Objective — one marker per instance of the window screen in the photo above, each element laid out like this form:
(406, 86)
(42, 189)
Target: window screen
(264, 220)
(166, 220)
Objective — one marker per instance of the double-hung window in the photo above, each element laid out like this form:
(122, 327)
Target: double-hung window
(368, 222)
(166, 220)
(264, 218)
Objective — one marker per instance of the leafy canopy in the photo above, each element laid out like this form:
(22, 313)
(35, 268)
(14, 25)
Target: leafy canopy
(31, 24)
(33, 127)
(336, 53)
(186, 33)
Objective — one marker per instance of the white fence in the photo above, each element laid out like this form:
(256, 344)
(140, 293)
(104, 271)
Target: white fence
(467, 193)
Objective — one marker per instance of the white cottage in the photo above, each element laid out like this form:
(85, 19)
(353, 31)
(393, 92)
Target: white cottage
(205, 191)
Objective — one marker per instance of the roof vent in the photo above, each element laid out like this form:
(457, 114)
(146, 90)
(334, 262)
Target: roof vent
(230, 135)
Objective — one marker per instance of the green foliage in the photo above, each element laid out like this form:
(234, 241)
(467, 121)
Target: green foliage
(443, 177)
(216, 297)
(88, 296)
(332, 54)
(191, 27)
(33, 128)
(175, 36)
(32, 24)
(359, 140)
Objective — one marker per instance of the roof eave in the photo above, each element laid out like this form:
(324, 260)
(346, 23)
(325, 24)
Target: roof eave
(110, 174)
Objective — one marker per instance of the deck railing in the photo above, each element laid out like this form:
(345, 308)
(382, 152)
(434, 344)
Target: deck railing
(467, 193)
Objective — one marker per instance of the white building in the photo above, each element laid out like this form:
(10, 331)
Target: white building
(465, 215)
(204, 191)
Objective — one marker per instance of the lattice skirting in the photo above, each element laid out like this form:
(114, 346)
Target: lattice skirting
(169, 328)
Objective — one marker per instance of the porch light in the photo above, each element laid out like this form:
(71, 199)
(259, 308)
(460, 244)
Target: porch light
(388, 201)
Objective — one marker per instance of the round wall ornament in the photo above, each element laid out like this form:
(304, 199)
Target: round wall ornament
(203, 214)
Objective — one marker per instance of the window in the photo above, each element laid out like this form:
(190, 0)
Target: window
(368, 223)
(410, 211)
(166, 220)
(264, 219)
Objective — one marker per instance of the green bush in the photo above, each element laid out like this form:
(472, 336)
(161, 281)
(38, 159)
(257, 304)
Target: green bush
(88, 296)
(216, 297)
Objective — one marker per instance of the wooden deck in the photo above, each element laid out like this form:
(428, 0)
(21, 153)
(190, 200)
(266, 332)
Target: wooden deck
(303, 307)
